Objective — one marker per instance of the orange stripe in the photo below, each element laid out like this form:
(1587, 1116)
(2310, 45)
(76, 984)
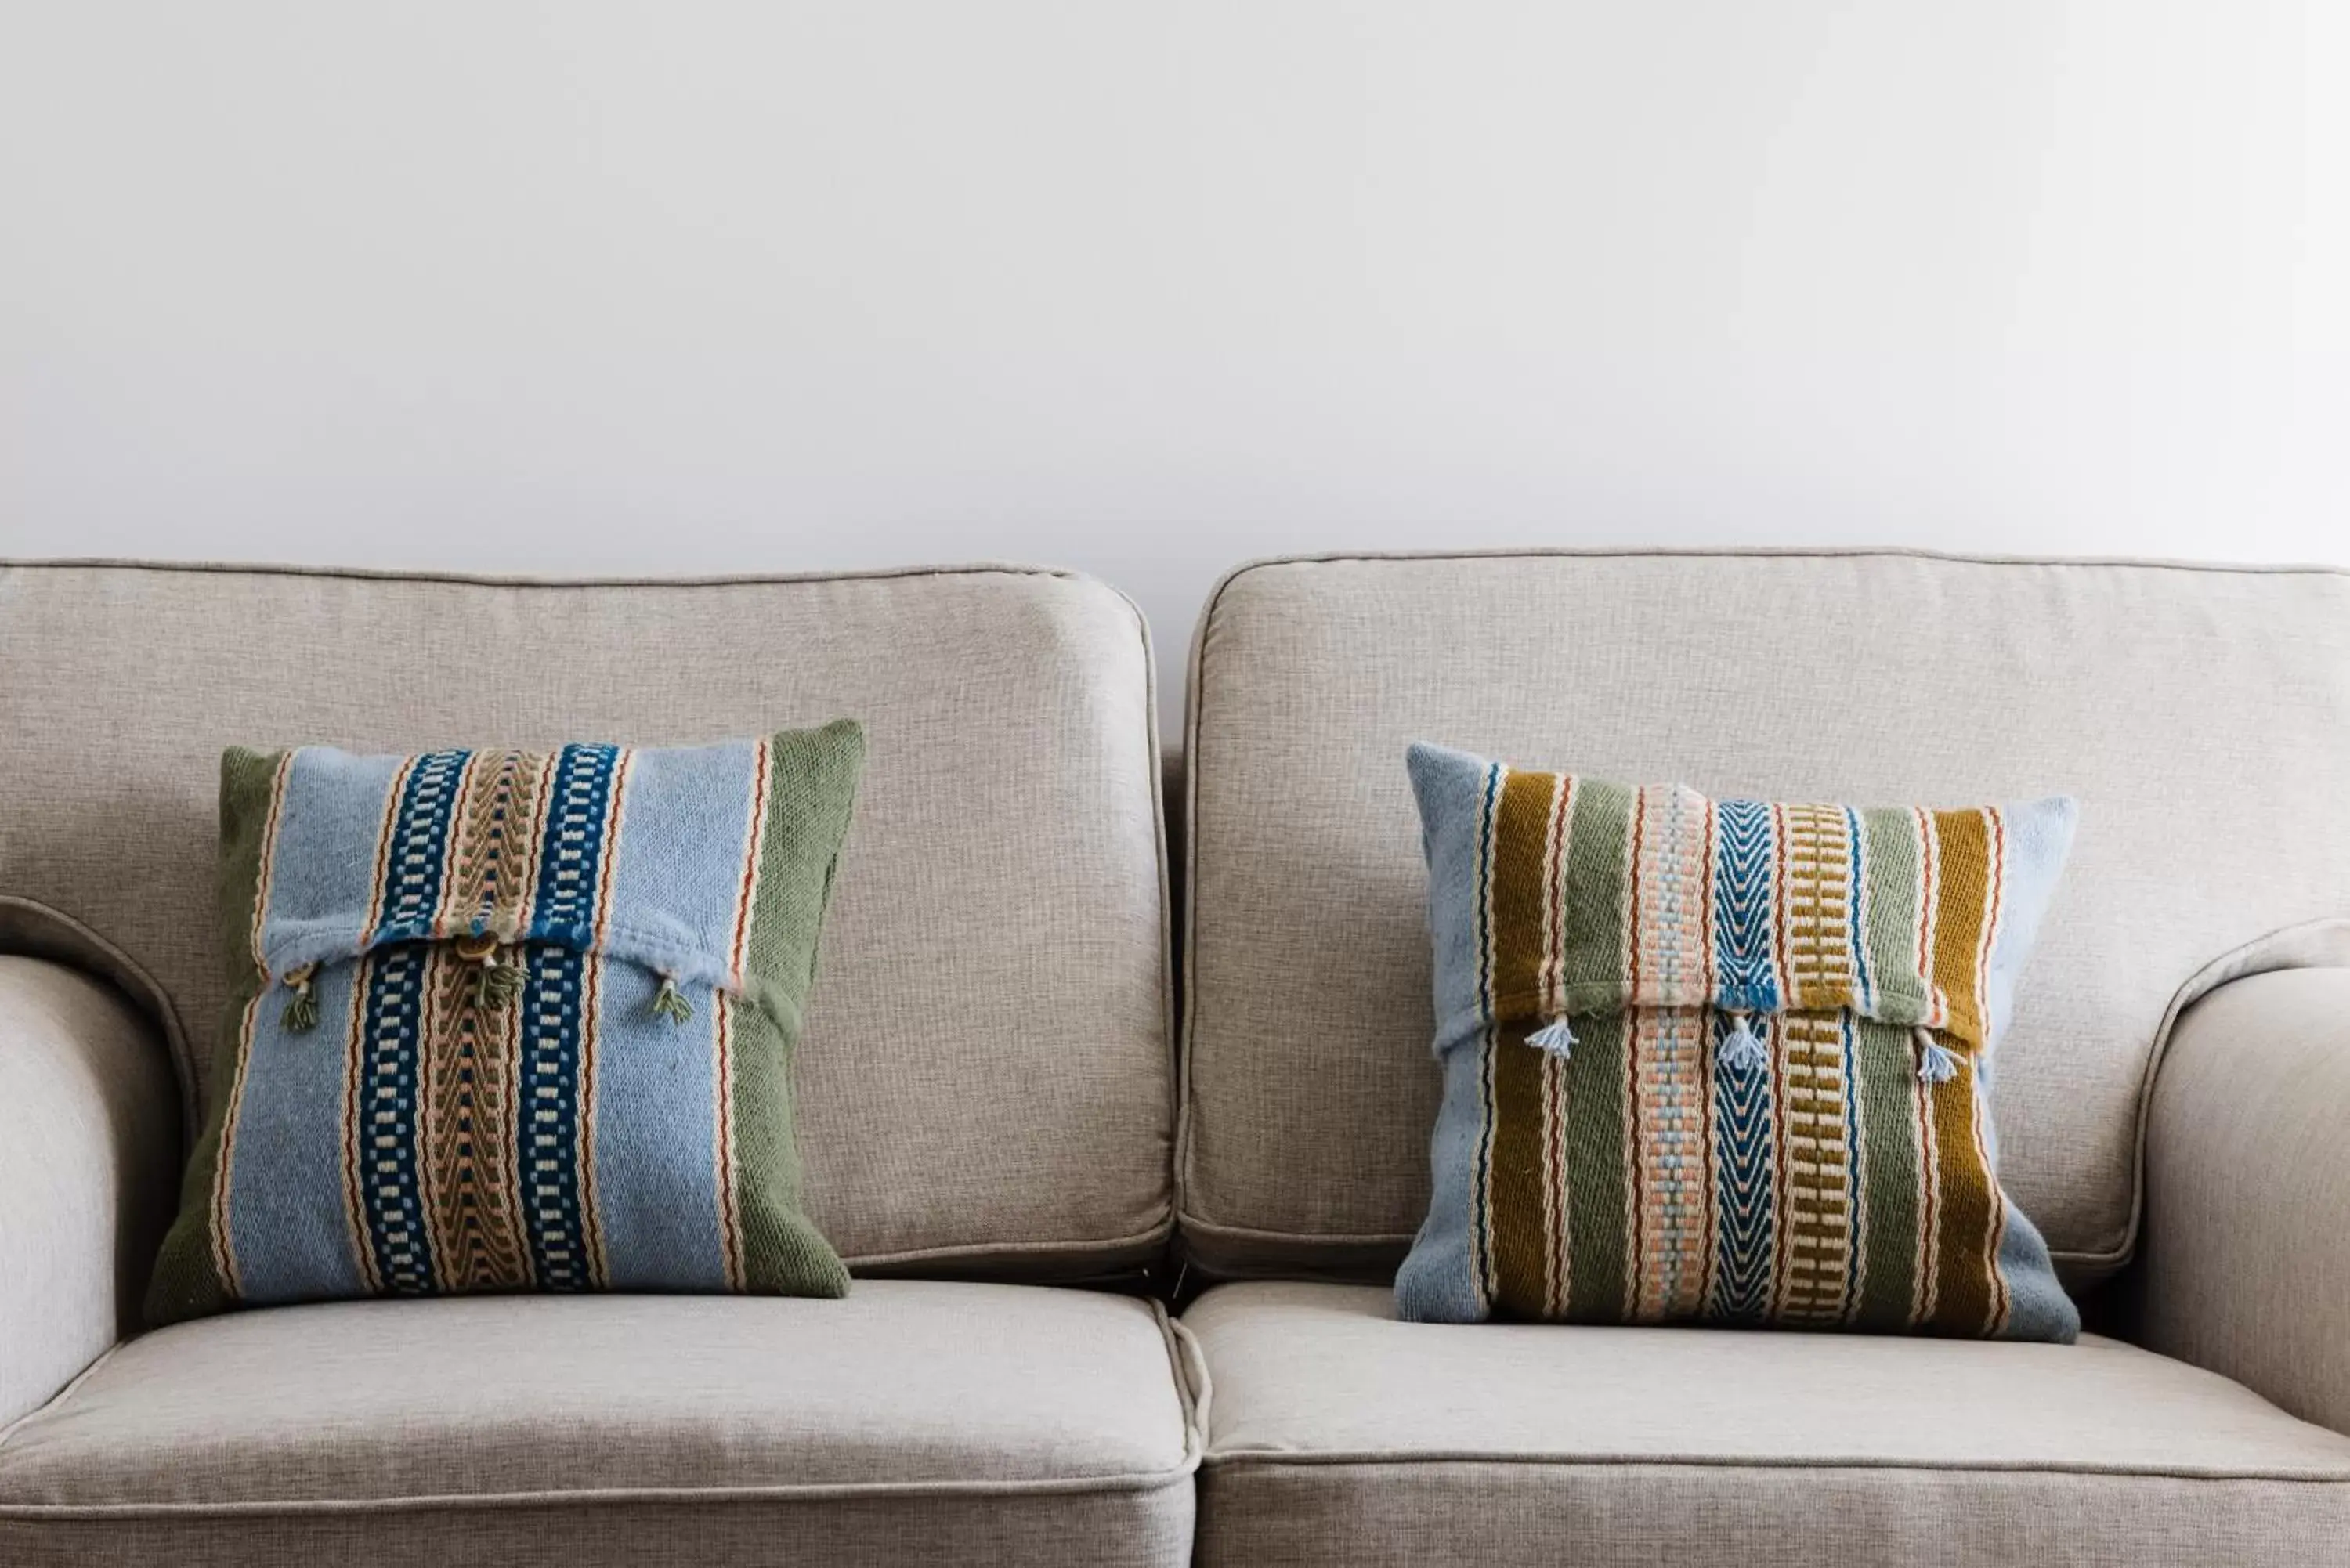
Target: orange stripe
(621, 767)
(591, 1228)
(355, 1142)
(1632, 894)
(224, 1253)
(542, 802)
(383, 845)
(1994, 912)
(730, 1226)
(737, 956)
(1555, 888)
(1929, 1208)
(1928, 898)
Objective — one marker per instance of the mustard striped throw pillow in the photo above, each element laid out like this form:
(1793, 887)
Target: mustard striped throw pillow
(1724, 1061)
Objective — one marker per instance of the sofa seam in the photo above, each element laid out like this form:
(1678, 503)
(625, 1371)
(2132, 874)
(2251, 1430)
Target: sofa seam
(1171, 990)
(1187, 1366)
(161, 1007)
(1190, 1221)
(1247, 1459)
(1137, 1240)
(1194, 689)
(539, 580)
(1115, 1484)
(1188, 1362)
(2201, 982)
(1791, 553)
(65, 1391)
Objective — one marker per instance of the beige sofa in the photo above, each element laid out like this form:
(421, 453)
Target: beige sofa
(991, 1111)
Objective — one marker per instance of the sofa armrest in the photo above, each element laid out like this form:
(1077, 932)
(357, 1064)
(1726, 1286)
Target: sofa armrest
(90, 1141)
(2247, 1246)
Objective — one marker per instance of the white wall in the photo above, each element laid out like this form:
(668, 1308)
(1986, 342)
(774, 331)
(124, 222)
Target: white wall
(1149, 288)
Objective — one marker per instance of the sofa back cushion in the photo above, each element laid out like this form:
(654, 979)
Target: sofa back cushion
(2201, 717)
(983, 1082)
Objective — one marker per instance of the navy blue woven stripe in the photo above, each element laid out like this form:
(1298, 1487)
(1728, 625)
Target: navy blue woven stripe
(387, 1121)
(571, 861)
(547, 1140)
(1741, 893)
(419, 844)
(1744, 1252)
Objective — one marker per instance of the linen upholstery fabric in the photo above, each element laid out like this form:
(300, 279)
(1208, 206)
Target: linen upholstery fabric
(2210, 817)
(508, 1020)
(986, 1079)
(1340, 1436)
(88, 1148)
(1723, 1061)
(974, 1422)
(2246, 1267)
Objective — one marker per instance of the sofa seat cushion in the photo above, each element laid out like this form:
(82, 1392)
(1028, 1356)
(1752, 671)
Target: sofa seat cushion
(991, 1422)
(1338, 1434)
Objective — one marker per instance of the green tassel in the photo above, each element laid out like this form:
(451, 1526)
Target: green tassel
(302, 1008)
(671, 1004)
(496, 984)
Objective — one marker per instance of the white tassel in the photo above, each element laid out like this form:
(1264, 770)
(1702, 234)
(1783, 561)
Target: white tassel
(1554, 1037)
(1936, 1063)
(1741, 1050)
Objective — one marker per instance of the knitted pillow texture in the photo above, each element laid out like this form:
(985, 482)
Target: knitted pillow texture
(507, 1021)
(1724, 1061)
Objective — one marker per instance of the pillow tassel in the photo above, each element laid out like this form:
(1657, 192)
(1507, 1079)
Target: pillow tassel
(671, 1004)
(1741, 1050)
(1556, 1037)
(302, 1007)
(1936, 1063)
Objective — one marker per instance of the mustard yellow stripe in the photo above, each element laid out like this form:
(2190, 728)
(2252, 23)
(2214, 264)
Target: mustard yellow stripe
(1962, 924)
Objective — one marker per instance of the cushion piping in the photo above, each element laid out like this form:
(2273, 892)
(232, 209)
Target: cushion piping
(2248, 958)
(1274, 1457)
(1141, 1243)
(31, 928)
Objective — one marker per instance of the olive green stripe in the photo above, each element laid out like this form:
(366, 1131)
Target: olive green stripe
(812, 790)
(1599, 834)
(187, 1280)
(1594, 1169)
(1884, 1079)
(1890, 855)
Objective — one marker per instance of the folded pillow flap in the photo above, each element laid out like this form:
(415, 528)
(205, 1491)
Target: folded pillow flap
(1605, 897)
(498, 848)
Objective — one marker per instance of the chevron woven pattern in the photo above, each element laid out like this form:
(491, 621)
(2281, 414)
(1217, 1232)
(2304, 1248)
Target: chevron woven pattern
(1724, 1061)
